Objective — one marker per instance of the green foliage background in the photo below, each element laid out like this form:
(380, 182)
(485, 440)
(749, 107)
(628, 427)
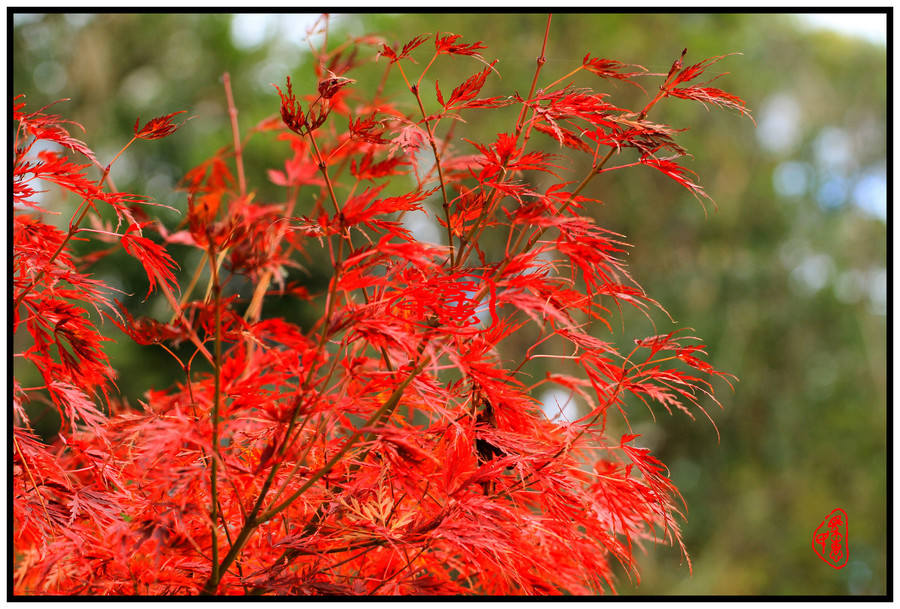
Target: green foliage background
(786, 282)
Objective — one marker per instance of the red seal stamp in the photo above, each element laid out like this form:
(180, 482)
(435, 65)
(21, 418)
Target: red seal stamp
(830, 539)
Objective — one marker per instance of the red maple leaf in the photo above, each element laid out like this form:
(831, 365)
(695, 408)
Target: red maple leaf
(157, 262)
(159, 127)
(394, 57)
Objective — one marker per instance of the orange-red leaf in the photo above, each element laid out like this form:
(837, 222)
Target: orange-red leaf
(158, 127)
(156, 261)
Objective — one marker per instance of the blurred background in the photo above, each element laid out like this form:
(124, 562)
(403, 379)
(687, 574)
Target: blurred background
(786, 282)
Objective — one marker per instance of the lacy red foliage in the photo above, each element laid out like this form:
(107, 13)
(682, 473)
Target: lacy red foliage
(157, 128)
(393, 447)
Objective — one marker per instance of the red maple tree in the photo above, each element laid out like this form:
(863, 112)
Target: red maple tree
(389, 448)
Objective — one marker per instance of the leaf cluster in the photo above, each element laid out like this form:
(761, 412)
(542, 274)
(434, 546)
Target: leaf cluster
(387, 449)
